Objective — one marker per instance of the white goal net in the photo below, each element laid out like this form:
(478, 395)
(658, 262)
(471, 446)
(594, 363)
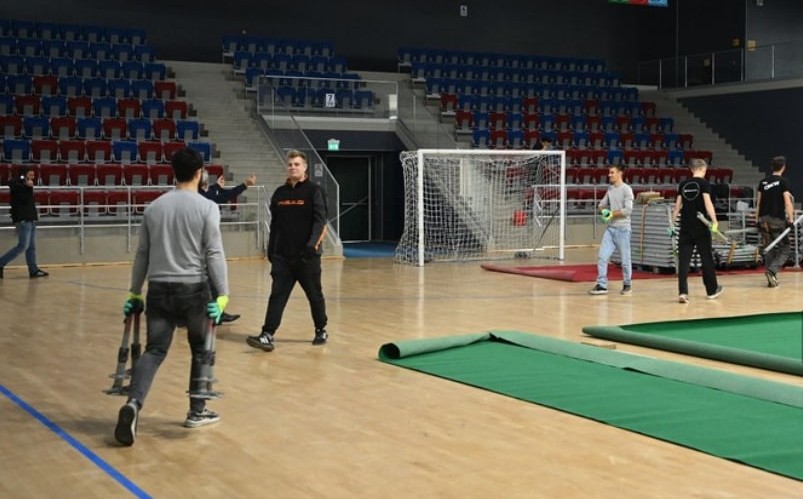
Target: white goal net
(482, 205)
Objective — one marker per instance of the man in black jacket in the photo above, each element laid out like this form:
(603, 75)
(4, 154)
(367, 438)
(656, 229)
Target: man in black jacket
(218, 193)
(24, 216)
(297, 229)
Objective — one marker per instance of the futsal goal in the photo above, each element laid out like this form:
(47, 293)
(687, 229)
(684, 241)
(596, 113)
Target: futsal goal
(467, 204)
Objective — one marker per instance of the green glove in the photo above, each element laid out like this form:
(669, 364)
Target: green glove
(134, 304)
(714, 227)
(214, 309)
(606, 215)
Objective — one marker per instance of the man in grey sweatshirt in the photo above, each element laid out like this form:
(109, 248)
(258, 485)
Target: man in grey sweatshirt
(615, 209)
(179, 241)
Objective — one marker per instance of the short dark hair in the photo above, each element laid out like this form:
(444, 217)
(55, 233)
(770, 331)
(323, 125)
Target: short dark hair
(186, 162)
(619, 166)
(777, 163)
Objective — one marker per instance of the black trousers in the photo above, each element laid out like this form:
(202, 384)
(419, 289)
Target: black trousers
(687, 241)
(285, 273)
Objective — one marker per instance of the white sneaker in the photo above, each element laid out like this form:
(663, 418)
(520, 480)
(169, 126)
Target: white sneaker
(683, 298)
(718, 292)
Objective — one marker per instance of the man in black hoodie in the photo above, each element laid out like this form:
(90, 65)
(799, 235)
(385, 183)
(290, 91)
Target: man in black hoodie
(24, 216)
(297, 229)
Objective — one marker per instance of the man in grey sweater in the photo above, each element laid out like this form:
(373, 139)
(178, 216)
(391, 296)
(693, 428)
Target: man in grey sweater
(615, 209)
(179, 242)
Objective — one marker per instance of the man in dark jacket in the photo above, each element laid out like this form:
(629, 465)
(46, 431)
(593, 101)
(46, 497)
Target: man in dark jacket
(24, 216)
(297, 229)
(775, 211)
(218, 193)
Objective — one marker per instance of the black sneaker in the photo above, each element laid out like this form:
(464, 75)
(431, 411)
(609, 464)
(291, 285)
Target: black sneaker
(203, 418)
(320, 337)
(1, 272)
(627, 290)
(772, 279)
(716, 293)
(126, 430)
(264, 341)
(598, 290)
(38, 273)
(224, 317)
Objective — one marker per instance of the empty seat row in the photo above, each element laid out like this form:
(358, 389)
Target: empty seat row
(74, 151)
(135, 174)
(468, 120)
(426, 71)
(323, 98)
(328, 79)
(85, 68)
(65, 203)
(70, 86)
(261, 44)
(83, 106)
(409, 55)
(243, 60)
(438, 87)
(568, 139)
(533, 104)
(70, 32)
(122, 52)
(93, 128)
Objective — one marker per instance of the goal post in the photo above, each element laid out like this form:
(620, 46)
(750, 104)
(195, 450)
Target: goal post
(470, 204)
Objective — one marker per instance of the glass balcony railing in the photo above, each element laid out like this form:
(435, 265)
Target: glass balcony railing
(761, 63)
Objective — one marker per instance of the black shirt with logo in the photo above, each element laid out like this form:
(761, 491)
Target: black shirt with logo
(691, 191)
(772, 188)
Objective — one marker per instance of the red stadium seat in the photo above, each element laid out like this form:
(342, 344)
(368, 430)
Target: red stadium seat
(73, 151)
(109, 174)
(44, 151)
(98, 151)
(82, 174)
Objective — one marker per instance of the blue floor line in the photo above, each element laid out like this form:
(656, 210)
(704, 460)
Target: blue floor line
(97, 460)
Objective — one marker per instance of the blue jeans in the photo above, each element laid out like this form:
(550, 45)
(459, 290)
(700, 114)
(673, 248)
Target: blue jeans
(26, 241)
(170, 305)
(613, 238)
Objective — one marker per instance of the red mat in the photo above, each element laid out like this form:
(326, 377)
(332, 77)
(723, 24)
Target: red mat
(588, 272)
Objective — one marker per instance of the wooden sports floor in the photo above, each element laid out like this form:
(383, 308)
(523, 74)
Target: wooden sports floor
(332, 421)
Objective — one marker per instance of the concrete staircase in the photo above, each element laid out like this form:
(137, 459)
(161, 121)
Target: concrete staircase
(230, 120)
(705, 139)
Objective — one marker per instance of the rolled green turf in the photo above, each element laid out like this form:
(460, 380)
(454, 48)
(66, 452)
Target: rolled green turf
(767, 341)
(756, 422)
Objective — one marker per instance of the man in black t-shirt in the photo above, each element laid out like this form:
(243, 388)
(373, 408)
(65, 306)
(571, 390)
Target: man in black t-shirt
(694, 195)
(774, 211)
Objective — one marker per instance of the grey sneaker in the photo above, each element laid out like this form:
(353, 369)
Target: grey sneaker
(264, 341)
(772, 279)
(627, 290)
(320, 337)
(683, 298)
(716, 293)
(126, 430)
(203, 418)
(598, 290)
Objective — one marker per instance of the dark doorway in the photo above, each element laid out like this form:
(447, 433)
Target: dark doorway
(354, 174)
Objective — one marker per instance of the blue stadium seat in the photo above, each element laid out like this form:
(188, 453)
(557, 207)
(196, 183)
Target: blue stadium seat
(89, 128)
(144, 53)
(132, 70)
(61, 67)
(109, 69)
(119, 88)
(19, 84)
(104, 107)
(36, 127)
(100, 51)
(481, 138)
(86, 68)
(153, 108)
(142, 89)
(139, 129)
(124, 151)
(204, 148)
(154, 71)
(76, 49)
(16, 150)
(70, 86)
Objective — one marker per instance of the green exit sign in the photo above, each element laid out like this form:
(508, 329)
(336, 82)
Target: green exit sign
(333, 145)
